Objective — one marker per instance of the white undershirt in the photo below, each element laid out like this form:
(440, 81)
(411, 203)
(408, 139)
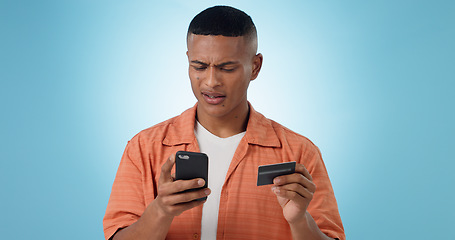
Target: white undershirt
(220, 152)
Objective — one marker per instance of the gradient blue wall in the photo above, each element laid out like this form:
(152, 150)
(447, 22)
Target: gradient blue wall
(370, 82)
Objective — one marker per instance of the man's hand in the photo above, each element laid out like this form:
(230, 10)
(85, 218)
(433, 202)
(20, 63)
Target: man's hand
(170, 201)
(294, 193)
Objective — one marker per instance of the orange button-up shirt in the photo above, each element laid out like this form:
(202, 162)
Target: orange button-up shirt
(246, 210)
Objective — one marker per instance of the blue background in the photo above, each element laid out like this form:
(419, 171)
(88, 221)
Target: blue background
(370, 82)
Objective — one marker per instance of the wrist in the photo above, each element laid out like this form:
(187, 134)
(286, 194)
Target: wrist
(156, 214)
(301, 222)
(298, 219)
(306, 228)
(153, 224)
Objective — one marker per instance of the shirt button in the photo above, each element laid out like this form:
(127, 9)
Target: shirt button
(195, 236)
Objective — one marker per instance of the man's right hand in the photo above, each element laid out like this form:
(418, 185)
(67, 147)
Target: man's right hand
(171, 201)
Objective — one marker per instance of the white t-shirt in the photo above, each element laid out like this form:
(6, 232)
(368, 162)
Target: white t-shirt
(220, 152)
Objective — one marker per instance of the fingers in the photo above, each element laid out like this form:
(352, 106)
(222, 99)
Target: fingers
(186, 197)
(173, 196)
(294, 191)
(165, 175)
(295, 178)
(176, 210)
(175, 204)
(295, 186)
(301, 176)
(180, 186)
(301, 169)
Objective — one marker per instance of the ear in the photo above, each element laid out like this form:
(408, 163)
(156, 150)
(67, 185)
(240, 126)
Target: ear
(257, 64)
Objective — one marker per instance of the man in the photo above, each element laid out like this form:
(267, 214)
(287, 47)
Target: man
(147, 202)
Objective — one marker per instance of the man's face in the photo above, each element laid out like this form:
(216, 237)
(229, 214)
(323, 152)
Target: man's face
(220, 70)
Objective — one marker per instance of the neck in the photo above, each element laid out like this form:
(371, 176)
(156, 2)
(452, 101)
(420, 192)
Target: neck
(225, 126)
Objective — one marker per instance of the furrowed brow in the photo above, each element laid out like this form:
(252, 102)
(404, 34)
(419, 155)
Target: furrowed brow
(199, 62)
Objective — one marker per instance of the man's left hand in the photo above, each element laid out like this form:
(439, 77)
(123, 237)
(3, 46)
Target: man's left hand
(294, 193)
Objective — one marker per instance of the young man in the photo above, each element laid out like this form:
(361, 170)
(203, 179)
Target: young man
(147, 202)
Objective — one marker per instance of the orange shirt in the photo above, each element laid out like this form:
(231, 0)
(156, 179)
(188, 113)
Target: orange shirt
(246, 210)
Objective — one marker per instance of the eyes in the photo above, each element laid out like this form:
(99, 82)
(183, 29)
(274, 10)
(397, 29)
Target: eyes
(201, 68)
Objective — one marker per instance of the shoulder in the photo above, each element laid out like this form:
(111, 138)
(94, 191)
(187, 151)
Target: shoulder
(284, 132)
(175, 130)
(296, 142)
(272, 133)
(301, 149)
(169, 132)
(156, 132)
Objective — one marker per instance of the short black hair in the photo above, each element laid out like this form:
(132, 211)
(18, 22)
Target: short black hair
(223, 20)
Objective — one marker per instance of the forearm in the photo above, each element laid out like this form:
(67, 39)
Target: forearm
(307, 229)
(151, 225)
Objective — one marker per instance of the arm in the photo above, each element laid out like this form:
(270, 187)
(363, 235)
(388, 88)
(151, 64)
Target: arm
(294, 193)
(307, 228)
(154, 223)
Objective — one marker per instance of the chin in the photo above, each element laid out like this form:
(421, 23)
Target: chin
(214, 110)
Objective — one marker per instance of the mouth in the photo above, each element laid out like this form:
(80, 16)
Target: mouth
(213, 97)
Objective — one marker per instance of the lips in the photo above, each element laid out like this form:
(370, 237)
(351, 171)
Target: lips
(213, 97)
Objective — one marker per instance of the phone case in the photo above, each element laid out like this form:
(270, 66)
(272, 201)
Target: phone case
(191, 165)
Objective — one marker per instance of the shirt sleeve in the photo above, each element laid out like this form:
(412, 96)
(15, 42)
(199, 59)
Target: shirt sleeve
(323, 207)
(126, 203)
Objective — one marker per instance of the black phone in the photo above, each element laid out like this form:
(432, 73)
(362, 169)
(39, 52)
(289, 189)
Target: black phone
(191, 165)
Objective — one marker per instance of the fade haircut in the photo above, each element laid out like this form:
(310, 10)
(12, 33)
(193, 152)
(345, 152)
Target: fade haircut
(225, 21)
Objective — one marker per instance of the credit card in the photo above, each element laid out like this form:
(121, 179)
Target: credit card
(266, 173)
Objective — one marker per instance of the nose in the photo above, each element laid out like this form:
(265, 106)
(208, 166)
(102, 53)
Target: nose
(212, 79)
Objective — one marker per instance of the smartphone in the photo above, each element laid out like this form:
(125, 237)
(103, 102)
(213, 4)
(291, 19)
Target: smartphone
(191, 165)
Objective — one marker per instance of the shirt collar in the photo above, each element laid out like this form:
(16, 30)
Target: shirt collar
(259, 130)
